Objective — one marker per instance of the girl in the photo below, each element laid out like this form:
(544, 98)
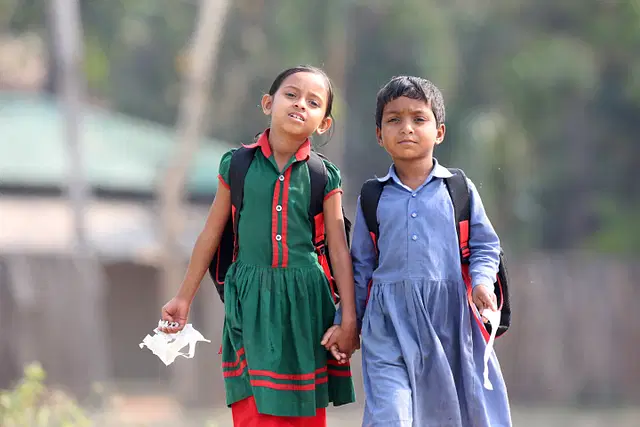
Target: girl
(277, 300)
(422, 355)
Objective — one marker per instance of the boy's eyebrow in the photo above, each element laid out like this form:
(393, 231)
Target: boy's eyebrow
(412, 111)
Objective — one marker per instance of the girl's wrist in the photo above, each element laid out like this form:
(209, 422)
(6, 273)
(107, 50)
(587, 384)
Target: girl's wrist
(186, 293)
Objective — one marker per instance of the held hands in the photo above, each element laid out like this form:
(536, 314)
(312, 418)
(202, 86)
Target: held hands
(484, 299)
(342, 341)
(175, 312)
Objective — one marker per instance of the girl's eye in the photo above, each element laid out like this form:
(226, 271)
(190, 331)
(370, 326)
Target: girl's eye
(393, 120)
(315, 103)
(290, 94)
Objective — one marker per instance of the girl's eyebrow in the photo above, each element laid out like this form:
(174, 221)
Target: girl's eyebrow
(315, 94)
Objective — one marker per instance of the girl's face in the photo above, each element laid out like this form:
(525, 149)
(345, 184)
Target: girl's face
(408, 130)
(298, 107)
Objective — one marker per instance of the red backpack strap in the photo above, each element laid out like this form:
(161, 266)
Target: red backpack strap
(458, 189)
(318, 177)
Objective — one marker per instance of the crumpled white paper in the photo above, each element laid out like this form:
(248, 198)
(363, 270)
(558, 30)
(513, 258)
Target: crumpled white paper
(494, 319)
(167, 346)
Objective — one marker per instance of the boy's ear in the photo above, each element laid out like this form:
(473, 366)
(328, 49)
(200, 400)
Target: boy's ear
(441, 130)
(379, 135)
(267, 102)
(325, 125)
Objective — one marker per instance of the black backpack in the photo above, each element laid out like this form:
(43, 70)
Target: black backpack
(459, 192)
(228, 248)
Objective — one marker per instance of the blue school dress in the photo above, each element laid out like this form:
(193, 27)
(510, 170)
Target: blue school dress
(422, 351)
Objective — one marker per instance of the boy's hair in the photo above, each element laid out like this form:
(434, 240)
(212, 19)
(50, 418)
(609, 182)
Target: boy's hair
(414, 88)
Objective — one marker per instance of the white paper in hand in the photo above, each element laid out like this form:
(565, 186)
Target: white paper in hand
(167, 346)
(494, 319)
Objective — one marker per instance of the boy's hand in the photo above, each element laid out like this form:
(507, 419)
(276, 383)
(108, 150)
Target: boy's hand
(176, 310)
(484, 299)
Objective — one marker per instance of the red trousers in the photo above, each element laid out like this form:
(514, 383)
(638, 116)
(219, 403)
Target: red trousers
(245, 414)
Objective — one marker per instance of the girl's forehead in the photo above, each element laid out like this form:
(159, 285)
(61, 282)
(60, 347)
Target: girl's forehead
(308, 82)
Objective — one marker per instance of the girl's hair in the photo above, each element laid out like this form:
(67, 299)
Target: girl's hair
(304, 69)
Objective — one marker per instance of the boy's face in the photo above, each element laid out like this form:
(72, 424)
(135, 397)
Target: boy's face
(408, 130)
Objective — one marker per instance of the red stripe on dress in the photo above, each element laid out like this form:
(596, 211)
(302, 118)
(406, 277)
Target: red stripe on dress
(285, 204)
(235, 372)
(336, 363)
(274, 224)
(332, 192)
(292, 377)
(335, 373)
(292, 387)
(224, 184)
(233, 364)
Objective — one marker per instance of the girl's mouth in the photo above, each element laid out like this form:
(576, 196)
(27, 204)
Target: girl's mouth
(296, 116)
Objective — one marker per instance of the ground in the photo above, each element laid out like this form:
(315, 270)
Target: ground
(140, 416)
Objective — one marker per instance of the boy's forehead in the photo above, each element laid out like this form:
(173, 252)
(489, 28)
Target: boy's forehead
(406, 104)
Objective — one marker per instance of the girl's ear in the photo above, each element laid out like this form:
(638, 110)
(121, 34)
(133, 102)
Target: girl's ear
(379, 135)
(267, 102)
(325, 125)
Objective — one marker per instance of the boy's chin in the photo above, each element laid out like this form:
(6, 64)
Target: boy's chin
(409, 154)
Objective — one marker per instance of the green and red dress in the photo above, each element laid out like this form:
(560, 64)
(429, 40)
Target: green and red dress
(277, 299)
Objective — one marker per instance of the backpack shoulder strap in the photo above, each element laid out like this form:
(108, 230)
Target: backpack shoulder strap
(369, 199)
(318, 176)
(240, 161)
(458, 189)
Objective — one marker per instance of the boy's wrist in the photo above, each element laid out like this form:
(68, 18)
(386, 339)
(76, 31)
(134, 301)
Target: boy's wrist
(482, 281)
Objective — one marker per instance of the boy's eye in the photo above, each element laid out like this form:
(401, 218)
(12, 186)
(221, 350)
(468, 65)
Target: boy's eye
(290, 94)
(393, 120)
(420, 119)
(314, 103)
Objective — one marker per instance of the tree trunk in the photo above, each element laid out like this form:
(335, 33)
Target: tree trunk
(193, 108)
(87, 342)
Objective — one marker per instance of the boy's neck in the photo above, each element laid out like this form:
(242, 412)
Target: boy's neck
(413, 173)
(283, 146)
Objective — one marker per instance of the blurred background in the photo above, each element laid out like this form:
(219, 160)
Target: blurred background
(113, 118)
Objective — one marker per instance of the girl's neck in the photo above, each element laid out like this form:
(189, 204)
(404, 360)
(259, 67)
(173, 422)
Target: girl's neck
(414, 172)
(283, 146)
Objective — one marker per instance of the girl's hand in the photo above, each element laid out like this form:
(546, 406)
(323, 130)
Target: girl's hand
(484, 299)
(342, 341)
(176, 310)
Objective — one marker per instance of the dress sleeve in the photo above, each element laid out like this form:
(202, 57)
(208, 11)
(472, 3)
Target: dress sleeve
(334, 181)
(223, 168)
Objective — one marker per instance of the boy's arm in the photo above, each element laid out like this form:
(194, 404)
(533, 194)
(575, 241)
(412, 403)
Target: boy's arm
(484, 244)
(363, 256)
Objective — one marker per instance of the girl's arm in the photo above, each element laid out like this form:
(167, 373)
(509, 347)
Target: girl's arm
(484, 244)
(340, 258)
(207, 243)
